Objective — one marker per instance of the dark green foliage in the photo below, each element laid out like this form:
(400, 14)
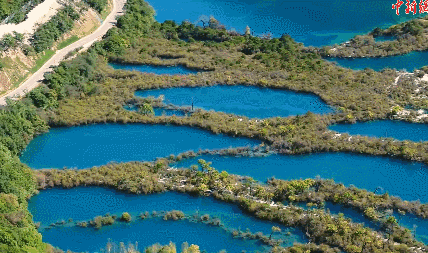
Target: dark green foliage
(138, 20)
(69, 79)
(11, 41)
(284, 45)
(44, 37)
(16, 9)
(413, 27)
(114, 43)
(98, 5)
(190, 31)
(18, 124)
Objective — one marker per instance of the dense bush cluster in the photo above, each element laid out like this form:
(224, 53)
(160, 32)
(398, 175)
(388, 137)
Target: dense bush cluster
(19, 123)
(46, 34)
(188, 31)
(9, 41)
(98, 5)
(16, 10)
(318, 191)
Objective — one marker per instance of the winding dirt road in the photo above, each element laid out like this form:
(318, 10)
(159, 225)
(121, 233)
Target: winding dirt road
(36, 79)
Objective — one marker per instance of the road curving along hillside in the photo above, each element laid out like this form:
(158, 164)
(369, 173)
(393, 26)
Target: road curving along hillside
(36, 79)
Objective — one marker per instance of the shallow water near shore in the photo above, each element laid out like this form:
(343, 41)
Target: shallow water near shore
(84, 203)
(95, 145)
(399, 178)
(249, 101)
(310, 22)
(400, 130)
(408, 62)
(158, 70)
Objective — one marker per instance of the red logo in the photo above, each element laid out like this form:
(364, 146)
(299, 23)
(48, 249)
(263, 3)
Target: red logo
(411, 6)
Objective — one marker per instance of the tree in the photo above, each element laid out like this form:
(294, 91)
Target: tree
(247, 31)
(213, 23)
(147, 109)
(205, 166)
(274, 229)
(249, 182)
(126, 217)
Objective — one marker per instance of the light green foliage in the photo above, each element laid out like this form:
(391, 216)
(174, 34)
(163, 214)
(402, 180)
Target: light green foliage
(126, 217)
(146, 109)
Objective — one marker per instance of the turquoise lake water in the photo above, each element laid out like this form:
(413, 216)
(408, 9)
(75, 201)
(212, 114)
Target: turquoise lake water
(94, 145)
(399, 178)
(408, 62)
(249, 101)
(400, 130)
(82, 204)
(159, 70)
(313, 23)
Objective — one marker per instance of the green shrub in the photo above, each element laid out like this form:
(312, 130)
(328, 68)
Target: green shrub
(126, 217)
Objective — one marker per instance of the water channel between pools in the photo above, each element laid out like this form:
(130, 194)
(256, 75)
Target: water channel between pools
(159, 70)
(408, 62)
(249, 101)
(399, 130)
(94, 145)
(83, 204)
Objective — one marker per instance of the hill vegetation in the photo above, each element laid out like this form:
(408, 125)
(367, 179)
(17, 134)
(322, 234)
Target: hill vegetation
(16, 10)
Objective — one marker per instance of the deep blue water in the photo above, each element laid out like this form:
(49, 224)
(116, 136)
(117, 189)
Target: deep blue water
(249, 101)
(409, 62)
(400, 178)
(94, 145)
(400, 130)
(83, 204)
(158, 70)
(314, 23)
